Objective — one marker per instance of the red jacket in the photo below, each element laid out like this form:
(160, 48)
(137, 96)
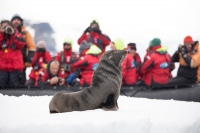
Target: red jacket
(87, 64)
(44, 76)
(11, 55)
(156, 68)
(68, 57)
(100, 40)
(39, 60)
(130, 67)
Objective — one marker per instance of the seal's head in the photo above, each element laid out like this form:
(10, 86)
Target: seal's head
(115, 56)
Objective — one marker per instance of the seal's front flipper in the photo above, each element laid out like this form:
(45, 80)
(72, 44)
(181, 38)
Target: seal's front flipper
(110, 104)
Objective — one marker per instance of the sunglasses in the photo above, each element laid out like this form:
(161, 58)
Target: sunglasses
(68, 44)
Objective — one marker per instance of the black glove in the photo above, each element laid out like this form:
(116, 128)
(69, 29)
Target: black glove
(97, 30)
(88, 29)
(182, 49)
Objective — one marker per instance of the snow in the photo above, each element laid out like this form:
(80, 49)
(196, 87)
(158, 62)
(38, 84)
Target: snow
(27, 114)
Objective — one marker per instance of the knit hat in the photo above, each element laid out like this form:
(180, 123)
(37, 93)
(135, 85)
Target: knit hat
(132, 46)
(188, 39)
(95, 22)
(94, 50)
(41, 44)
(155, 42)
(17, 16)
(68, 40)
(119, 44)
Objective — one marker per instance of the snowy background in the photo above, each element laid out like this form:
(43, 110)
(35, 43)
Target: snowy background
(135, 115)
(132, 20)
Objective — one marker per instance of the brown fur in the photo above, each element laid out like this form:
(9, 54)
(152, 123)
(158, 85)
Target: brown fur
(103, 91)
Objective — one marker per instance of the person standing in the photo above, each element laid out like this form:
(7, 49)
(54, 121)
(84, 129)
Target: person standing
(11, 61)
(29, 48)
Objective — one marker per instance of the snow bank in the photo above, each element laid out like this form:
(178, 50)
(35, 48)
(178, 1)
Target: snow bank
(31, 114)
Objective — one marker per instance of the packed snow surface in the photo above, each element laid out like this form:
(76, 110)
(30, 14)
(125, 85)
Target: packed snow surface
(27, 114)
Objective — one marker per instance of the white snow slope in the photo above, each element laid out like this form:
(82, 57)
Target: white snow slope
(27, 114)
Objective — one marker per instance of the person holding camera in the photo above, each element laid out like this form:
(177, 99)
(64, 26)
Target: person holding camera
(40, 60)
(67, 57)
(52, 76)
(11, 43)
(188, 56)
(29, 48)
(93, 34)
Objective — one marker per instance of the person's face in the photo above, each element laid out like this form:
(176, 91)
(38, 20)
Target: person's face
(93, 25)
(188, 46)
(16, 22)
(3, 25)
(54, 67)
(112, 46)
(132, 52)
(67, 46)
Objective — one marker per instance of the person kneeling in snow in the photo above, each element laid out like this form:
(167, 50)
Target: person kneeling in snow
(51, 76)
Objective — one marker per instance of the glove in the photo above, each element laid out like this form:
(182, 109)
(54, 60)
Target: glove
(71, 77)
(97, 30)
(87, 30)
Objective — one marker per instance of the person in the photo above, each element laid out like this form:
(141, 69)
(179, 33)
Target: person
(52, 76)
(40, 60)
(67, 57)
(29, 48)
(11, 43)
(94, 35)
(117, 44)
(188, 56)
(131, 66)
(88, 65)
(155, 69)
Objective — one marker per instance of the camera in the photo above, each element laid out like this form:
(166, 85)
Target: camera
(42, 50)
(59, 80)
(8, 29)
(67, 68)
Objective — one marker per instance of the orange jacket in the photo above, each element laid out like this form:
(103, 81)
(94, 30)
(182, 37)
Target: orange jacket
(28, 39)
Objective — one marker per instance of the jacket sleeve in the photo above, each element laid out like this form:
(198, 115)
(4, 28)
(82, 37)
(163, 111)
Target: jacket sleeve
(147, 65)
(195, 61)
(48, 57)
(124, 67)
(81, 63)
(83, 37)
(30, 42)
(175, 57)
(105, 39)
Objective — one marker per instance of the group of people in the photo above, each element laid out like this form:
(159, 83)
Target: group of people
(18, 51)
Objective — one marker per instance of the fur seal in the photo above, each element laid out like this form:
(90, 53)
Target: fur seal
(103, 91)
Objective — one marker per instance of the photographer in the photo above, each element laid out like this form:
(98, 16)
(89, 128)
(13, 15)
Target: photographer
(67, 57)
(52, 76)
(93, 35)
(40, 60)
(29, 47)
(11, 43)
(188, 56)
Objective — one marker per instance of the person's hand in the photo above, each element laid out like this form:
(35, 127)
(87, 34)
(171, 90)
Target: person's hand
(61, 81)
(27, 64)
(54, 80)
(2, 29)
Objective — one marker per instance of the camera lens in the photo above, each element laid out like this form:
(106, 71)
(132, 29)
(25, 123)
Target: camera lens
(8, 29)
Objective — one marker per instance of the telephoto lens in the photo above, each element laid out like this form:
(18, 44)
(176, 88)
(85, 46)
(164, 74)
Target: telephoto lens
(8, 29)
